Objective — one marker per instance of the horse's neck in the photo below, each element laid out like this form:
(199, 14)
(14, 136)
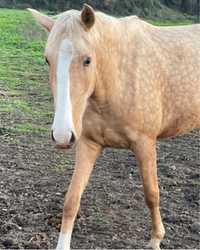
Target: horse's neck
(117, 44)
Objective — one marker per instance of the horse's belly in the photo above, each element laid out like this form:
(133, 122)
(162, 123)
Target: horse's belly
(181, 125)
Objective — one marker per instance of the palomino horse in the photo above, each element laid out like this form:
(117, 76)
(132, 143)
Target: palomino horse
(119, 82)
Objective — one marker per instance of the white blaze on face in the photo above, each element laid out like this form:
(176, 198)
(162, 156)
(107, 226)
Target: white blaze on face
(63, 121)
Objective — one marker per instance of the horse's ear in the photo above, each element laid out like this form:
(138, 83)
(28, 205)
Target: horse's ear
(88, 16)
(45, 21)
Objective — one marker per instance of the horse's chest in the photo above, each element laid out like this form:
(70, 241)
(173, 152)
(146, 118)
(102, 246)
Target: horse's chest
(115, 138)
(105, 131)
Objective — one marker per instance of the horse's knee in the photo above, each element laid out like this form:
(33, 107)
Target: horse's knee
(71, 206)
(152, 198)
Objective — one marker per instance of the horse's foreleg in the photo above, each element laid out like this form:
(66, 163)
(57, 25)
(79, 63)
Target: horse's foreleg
(86, 155)
(145, 150)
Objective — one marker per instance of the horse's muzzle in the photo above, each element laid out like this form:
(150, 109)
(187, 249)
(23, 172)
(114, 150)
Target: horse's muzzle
(66, 145)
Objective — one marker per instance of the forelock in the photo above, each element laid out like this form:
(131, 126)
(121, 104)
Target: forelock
(69, 20)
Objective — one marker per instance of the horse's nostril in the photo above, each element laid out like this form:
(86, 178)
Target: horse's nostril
(69, 143)
(52, 137)
(72, 140)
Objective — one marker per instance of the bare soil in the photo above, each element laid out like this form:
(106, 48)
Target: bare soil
(34, 177)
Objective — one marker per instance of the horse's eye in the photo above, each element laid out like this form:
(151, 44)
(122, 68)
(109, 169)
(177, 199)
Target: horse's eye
(87, 61)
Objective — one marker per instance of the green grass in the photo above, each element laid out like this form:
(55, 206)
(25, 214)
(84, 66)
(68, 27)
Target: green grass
(171, 23)
(24, 75)
(21, 49)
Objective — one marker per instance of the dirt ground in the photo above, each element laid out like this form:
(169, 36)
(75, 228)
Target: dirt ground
(34, 177)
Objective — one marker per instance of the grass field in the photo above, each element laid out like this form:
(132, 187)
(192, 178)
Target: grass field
(33, 175)
(23, 73)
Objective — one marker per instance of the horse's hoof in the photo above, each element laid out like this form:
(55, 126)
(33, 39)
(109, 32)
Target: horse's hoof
(154, 244)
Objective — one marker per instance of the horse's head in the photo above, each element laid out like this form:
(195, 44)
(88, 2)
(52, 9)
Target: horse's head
(71, 57)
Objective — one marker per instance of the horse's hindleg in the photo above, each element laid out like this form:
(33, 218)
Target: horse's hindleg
(86, 155)
(145, 150)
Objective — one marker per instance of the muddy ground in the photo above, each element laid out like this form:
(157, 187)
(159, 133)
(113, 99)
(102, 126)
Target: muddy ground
(34, 177)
